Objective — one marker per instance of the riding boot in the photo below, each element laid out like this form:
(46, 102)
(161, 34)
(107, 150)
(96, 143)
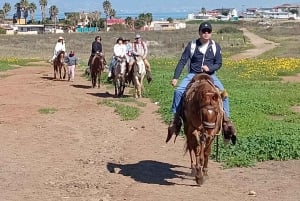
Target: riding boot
(174, 127)
(228, 130)
(148, 75)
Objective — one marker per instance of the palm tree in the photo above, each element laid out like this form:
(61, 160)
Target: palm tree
(32, 7)
(43, 4)
(18, 7)
(53, 12)
(130, 22)
(24, 7)
(203, 11)
(6, 8)
(113, 13)
(107, 10)
(148, 18)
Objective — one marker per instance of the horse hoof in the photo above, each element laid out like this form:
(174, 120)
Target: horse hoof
(200, 180)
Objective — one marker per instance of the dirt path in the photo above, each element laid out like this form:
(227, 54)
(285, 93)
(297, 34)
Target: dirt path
(83, 152)
(261, 45)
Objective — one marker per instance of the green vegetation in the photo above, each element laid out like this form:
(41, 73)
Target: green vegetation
(125, 111)
(11, 63)
(47, 110)
(260, 103)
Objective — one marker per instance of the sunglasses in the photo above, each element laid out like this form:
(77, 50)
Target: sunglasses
(206, 30)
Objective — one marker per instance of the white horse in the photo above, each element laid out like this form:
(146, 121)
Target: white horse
(139, 72)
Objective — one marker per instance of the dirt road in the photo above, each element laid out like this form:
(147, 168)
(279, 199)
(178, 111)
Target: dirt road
(83, 152)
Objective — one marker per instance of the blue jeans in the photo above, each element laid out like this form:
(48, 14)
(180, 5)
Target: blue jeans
(112, 64)
(178, 93)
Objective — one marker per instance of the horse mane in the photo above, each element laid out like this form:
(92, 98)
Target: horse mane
(201, 93)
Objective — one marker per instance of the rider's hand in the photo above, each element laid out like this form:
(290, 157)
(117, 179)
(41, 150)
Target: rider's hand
(174, 82)
(205, 68)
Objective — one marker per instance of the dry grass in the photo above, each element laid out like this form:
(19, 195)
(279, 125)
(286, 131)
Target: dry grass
(162, 43)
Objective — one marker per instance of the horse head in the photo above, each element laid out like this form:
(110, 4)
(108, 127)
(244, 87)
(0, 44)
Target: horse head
(139, 66)
(119, 75)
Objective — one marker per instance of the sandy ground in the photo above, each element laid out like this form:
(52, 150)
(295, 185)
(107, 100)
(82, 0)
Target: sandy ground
(83, 152)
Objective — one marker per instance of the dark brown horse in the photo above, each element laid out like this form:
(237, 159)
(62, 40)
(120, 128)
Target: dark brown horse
(97, 66)
(202, 117)
(59, 64)
(119, 76)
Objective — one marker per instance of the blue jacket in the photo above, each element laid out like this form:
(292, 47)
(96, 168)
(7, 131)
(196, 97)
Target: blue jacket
(211, 59)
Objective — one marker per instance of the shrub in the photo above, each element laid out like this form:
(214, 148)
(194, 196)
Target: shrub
(2, 31)
(229, 30)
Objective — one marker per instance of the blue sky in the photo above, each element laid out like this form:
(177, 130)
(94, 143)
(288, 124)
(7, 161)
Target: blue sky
(142, 6)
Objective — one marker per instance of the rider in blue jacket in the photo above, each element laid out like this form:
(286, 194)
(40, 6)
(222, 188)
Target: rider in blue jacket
(204, 56)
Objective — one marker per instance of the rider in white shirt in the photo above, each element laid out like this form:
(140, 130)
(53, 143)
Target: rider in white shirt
(60, 46)
(119, 52)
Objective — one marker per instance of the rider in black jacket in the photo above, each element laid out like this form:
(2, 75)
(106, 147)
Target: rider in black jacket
(96, 47)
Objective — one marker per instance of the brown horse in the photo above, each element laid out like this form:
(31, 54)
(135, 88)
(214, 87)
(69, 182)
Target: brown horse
(139, 72)
(58, 65)
(119, 76)
(202, 116)
(97, 66)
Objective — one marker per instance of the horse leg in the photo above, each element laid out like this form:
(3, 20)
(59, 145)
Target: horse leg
(93, 80)
(99, 77)
(192, 158)
(199, 163)
(54, 69)
(207, 152)
(59, 70)
(65, 71)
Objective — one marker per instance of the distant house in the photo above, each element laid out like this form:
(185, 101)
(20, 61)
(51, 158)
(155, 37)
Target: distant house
(165, 25)
(220, 14)
(113, 21)
(30, 29)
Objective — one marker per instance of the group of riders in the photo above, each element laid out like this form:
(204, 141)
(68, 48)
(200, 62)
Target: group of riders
(123, 50)
(203, 55)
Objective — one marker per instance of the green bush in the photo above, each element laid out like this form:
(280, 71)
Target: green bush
(2, 31)
(229, 30)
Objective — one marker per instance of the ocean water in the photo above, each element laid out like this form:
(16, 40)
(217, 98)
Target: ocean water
(155, 15)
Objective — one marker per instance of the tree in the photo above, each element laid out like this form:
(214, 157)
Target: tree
(129, 22)
(73, 19)
(294, 11)
(32, 7)
(24, 8)
(145, 18)
(53, 12)
(203, 11)
(139, 23)
(18, 7)
(107, 10)
(43, 4)
(170, 20)
(6, 9)
(113, 13)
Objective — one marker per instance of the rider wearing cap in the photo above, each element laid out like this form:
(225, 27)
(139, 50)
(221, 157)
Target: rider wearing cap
(139, 48)
(60, 46)
(207, 58)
